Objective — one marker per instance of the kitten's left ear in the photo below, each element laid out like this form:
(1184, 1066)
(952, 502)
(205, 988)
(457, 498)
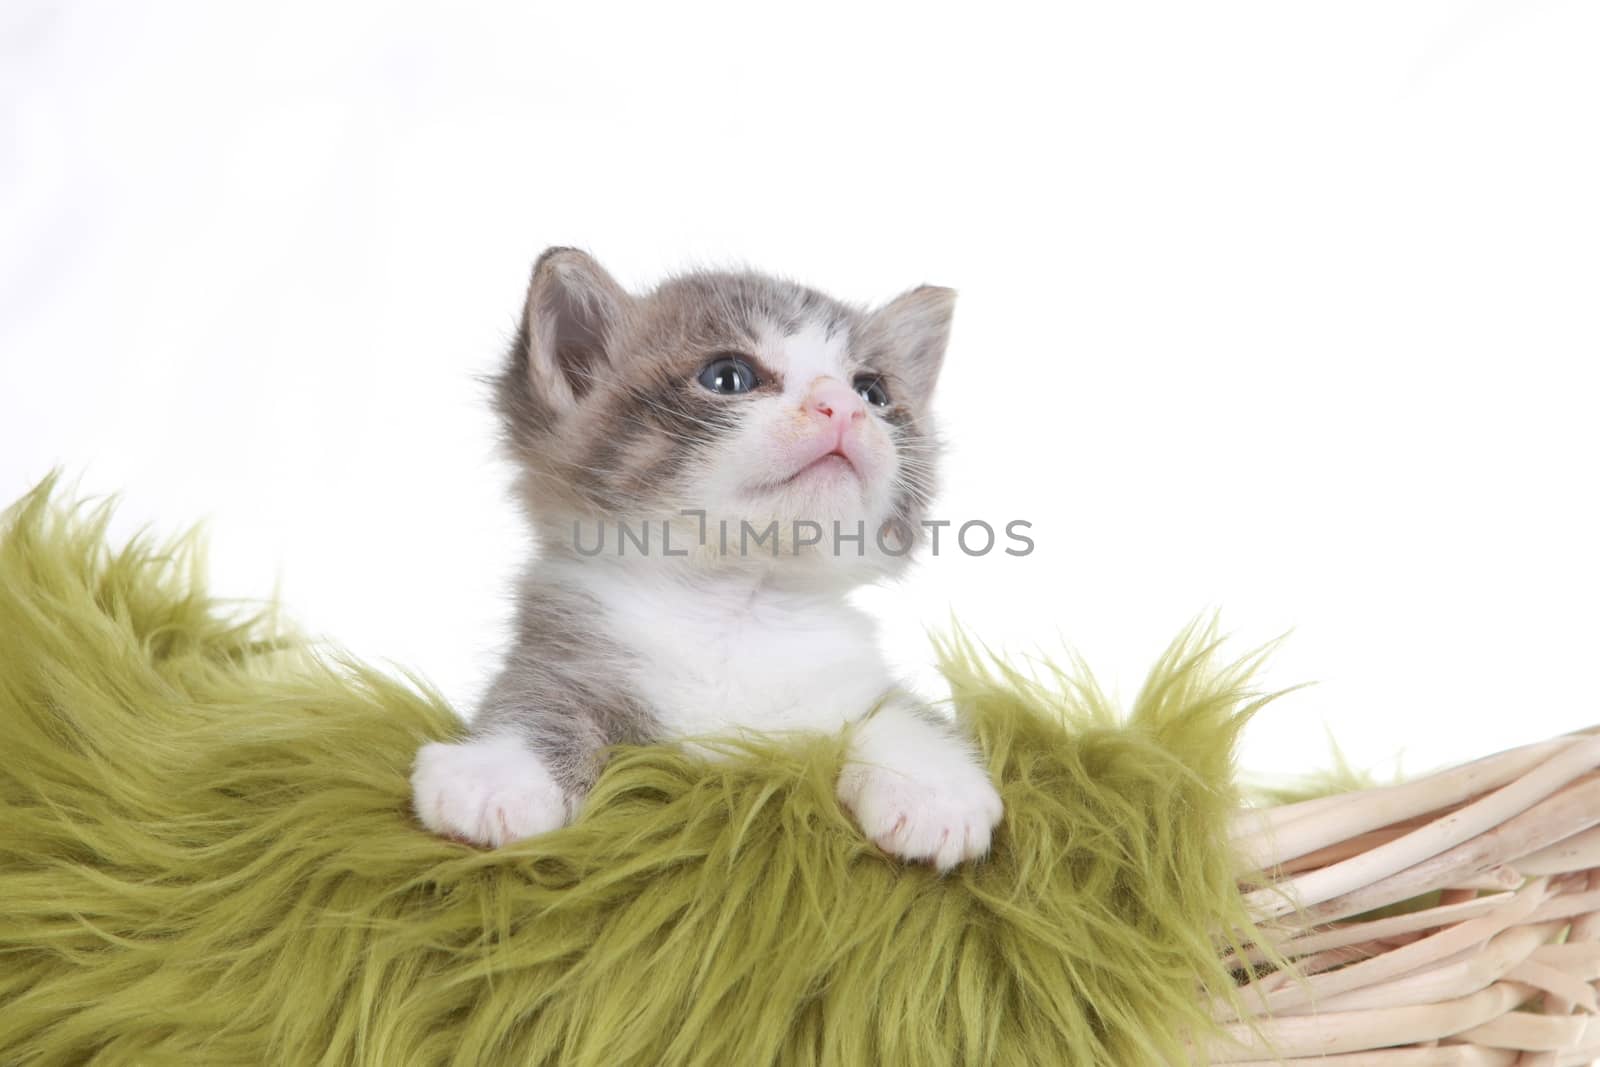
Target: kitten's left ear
(912, 330)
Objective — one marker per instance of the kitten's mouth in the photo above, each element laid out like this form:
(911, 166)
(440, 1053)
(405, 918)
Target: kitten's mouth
(828, 465)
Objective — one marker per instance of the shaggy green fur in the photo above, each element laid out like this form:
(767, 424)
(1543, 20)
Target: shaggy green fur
(207, 857)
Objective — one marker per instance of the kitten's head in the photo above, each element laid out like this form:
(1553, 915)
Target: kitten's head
(747, 397)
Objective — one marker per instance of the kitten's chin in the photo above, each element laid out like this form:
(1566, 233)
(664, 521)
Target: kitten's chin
(823, 489)
(833, 472)
(829, 490)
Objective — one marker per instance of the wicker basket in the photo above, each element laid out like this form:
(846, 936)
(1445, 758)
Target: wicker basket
(1452, 921)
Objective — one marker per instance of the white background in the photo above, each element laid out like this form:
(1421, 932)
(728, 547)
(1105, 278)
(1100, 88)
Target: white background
(1288, 310)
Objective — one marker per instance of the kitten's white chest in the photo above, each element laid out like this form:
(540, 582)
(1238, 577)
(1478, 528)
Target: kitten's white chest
(714, 660)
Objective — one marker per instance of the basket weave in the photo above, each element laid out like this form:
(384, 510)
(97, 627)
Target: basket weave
(1452, 921)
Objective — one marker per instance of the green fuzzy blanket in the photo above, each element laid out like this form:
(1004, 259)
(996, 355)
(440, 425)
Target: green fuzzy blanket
(207, 856)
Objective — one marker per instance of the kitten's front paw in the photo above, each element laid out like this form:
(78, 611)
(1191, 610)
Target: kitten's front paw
(944, 819)
(486, 791)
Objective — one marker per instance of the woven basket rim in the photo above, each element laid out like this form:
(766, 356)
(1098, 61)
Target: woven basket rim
(1449, 920)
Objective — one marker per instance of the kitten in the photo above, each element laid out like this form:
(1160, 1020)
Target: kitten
(774, 447)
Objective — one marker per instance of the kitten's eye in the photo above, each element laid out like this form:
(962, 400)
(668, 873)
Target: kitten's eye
(728, 375)
(870, 386)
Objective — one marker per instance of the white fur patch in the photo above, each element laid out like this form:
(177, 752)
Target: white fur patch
(487, 791)
(918, 791)
(806, 355)
(739, 651)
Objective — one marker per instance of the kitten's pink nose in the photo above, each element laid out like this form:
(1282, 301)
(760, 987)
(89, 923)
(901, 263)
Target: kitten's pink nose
(834, 400)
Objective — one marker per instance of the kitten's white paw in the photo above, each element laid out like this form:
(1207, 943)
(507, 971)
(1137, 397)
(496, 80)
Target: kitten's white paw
(943, 814)
(486, 791)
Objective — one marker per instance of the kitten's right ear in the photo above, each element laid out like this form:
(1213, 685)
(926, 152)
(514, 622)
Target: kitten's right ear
(570, 324)
(914, 328)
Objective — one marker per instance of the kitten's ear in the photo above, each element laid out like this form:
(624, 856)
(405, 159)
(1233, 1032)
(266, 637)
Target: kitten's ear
(570, 324)
(913, 329)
